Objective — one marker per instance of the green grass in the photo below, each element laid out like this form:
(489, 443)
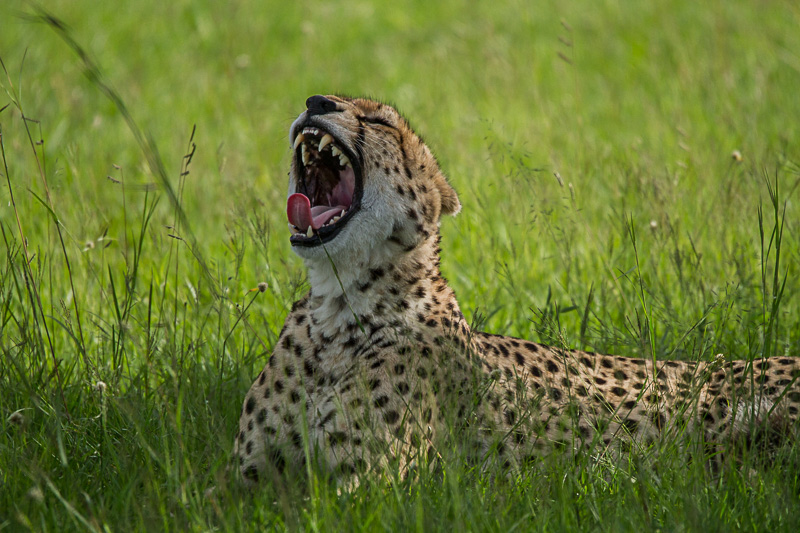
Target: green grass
(591, 146)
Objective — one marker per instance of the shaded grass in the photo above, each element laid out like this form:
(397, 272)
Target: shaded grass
(602, 209)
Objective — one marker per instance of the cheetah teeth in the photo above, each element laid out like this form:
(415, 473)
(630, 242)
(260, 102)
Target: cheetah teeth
(325, 141)
(309, 232)
(309, 138)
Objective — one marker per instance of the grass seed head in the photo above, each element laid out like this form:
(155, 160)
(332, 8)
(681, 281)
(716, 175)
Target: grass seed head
(17, 419)
(35, 494)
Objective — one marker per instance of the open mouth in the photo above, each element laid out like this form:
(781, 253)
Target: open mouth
(327, 193)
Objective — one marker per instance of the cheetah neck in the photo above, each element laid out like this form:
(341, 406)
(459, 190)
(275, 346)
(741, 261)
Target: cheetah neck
(383, 283)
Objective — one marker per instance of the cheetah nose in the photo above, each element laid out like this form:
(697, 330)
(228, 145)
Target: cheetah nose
(319, 105)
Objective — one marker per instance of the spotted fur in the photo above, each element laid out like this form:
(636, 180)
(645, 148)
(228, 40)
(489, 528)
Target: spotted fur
(377, 364)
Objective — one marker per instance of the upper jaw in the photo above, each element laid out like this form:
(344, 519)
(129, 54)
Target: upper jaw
(326, 184)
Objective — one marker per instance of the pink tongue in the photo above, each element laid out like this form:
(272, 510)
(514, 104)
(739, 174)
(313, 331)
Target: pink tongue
(302, 215)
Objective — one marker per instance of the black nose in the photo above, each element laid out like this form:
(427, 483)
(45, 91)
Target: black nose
(319, 105)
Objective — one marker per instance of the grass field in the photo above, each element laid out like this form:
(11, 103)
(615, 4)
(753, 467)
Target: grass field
(591, 144)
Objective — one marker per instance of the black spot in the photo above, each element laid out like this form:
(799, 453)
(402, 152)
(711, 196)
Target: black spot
(535, 371)
(399, 369)
(337, 437)
(331, 414)
(631, 425)
(380, 401)
(620, 375)
(630, 404)
(262, 416)
(287, 342)
(350, 342)
(390, 417)
(296, 439)
(606, 362)
(294, 396)
(261, 378)
(275, 457)
(520, 358)
(585, 361)
(421, 372)
(551, 366)
(288, 370)
(251, 473)
(556, 394)
(278, 386)
(402, 387)
(250, 405)
(659, 420)
(249, 448)
(374, 383)
(532, 347)
(618, 391)
(267, 392)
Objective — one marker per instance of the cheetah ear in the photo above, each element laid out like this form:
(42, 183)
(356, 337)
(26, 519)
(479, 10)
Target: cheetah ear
(448, 195)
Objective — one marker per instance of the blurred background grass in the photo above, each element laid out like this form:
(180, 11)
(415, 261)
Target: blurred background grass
(565, 127)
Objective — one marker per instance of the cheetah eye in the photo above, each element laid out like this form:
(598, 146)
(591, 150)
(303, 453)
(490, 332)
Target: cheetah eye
(379, 121)
(327, 187)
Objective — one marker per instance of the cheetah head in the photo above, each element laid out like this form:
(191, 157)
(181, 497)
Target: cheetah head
(362, 183)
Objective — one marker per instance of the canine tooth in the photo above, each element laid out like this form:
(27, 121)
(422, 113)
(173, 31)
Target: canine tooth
(325, 141)
(304, 153)
(335, 150)
(342, 213)
(344, 160)
(310, 232)
(297, 140)
(335, 219)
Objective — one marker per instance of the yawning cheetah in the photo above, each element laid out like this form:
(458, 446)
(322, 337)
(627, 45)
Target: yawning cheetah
(377, 363)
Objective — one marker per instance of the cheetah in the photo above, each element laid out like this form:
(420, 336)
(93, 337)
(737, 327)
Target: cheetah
(377, 363)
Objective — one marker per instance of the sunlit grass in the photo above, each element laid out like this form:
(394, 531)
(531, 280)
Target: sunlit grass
(592, 147)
